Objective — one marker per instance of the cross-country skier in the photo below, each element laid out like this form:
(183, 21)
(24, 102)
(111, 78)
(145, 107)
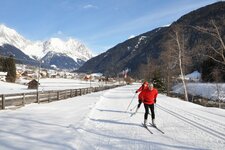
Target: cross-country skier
(149, 95)
(140, 96)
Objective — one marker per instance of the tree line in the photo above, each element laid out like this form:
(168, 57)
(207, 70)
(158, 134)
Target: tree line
(7, 64)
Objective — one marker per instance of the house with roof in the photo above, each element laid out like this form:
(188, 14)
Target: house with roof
(3, 76)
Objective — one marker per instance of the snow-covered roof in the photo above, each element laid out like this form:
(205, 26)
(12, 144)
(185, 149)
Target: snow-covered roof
(96, 74)
(3, 73)
(193, 75)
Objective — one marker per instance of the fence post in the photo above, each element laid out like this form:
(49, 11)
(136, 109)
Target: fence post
(38, 97)
(65, 94)
(71, 93)
(75, 92)
(3, 101)
(49, 96)
(23, 102)
(57, 95)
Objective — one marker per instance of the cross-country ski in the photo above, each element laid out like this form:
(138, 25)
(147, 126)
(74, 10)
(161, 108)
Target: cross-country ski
(154, 126)
(146, 127)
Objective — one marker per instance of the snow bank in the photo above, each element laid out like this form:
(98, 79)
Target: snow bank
(206, 90)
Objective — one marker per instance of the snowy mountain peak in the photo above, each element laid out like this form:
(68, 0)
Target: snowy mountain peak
(54, 44)
(4, 29)
(72, 48)
(10, 36)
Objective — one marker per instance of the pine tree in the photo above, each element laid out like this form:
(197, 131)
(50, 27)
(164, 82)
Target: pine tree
(157, 81)
(1, 63)
(11, 69)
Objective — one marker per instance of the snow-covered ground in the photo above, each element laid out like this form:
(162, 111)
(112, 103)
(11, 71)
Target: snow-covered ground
(212, 91)
(207, 90)
(100, 121)
(48, 84)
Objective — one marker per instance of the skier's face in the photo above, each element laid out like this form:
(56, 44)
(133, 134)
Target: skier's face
(151, 87)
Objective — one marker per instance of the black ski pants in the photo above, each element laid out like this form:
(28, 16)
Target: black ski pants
(147, 106)
(139, 103)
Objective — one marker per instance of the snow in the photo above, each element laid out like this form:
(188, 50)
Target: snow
(206, 90)
(100, 121)
(48, 84)
(96, 74)
(72, 48)
(131, 36)
(3, 73)
(142, 38)
(194, 76)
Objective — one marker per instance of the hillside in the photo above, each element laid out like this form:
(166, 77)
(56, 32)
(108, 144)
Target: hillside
(148, 46)
(100, 121)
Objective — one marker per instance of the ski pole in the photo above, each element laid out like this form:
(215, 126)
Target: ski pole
(133, 108)
(131, 102)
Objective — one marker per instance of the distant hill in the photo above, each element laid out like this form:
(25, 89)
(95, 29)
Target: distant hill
(134, 52)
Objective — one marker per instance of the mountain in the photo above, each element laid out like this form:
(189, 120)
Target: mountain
(128, 54)
(56, 59)
(135, 52)
(70, 49)
(7, 50)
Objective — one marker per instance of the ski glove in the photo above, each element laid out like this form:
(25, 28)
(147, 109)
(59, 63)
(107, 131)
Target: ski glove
(136, 91)
(155, 100)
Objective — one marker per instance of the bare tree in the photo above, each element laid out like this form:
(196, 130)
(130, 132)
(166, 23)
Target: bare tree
(178, 54)
(217, 53)
(148, 69)
(168, 65)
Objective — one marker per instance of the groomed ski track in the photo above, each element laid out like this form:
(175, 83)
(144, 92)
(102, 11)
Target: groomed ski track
(186, 125)
(99, 121)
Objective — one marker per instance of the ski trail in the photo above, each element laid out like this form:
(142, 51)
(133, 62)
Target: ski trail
(109, 126)
(205, 119)
(196, 124)
(200, 127)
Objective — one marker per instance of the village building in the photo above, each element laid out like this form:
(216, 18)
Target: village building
(3, 76)
(33, 84)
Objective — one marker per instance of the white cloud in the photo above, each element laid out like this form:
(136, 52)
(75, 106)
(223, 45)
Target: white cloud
(90, 6)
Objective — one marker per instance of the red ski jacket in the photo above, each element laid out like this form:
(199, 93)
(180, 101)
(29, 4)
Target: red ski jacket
(150, 96)
(141, 89)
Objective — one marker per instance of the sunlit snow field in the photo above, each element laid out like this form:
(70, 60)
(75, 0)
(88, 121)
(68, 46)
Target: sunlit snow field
(100, 121)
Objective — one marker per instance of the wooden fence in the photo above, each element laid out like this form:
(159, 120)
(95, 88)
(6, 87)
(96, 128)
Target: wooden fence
(21, 99)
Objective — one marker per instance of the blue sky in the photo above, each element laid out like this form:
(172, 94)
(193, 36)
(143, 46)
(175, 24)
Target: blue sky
(99, 24)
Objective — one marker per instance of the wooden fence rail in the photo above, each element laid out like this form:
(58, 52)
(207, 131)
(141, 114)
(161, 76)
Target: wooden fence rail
(21, 99)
